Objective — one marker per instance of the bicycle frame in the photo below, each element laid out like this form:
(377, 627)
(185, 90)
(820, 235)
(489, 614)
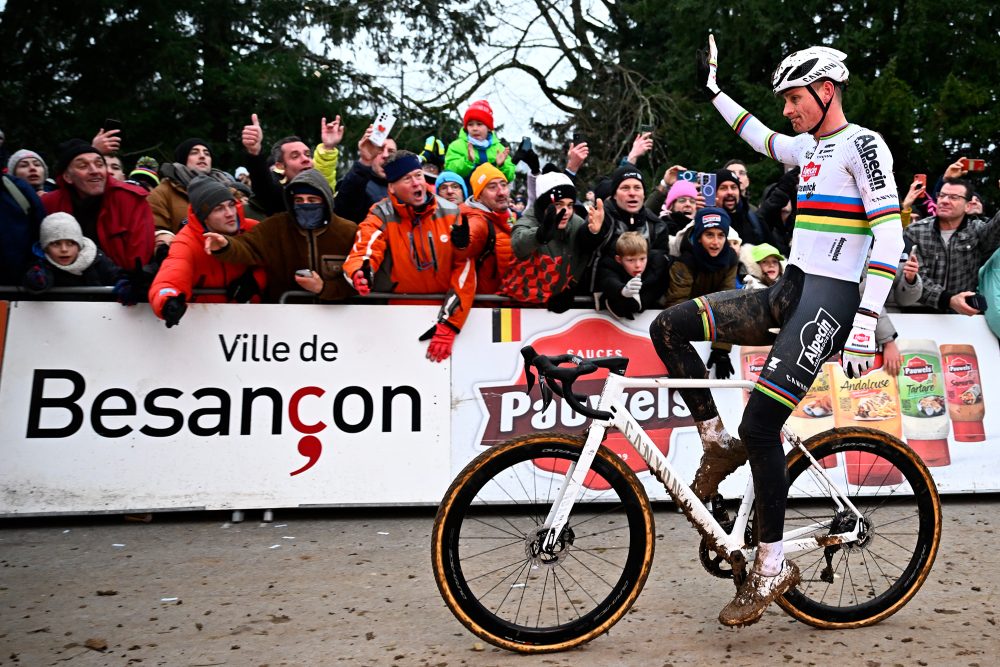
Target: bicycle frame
(725, 543)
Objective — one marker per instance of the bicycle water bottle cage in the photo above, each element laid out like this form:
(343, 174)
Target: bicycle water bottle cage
(558, 379)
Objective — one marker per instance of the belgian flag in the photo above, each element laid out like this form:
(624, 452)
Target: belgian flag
(506, 325)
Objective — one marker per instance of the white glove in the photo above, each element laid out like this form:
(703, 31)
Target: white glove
(632, 287)
(713, 66)
(859, 351)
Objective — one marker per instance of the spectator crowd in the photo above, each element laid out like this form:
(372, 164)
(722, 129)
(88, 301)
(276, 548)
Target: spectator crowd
(449, 220)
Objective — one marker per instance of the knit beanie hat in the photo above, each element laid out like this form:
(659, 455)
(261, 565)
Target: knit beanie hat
(401, 165)
(184, 149)
(483, 174)
(622, 174)
(765, 250)
(205, 193)
(69, 150)
(550, 187)
(724, 175)
(479, 110)
(680, 188)
(707, 218)
(145, 174)
(57, 227)
(22, 154)
(451, 177)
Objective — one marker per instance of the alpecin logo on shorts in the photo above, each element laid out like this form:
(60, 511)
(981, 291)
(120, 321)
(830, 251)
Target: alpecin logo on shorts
(817, 341)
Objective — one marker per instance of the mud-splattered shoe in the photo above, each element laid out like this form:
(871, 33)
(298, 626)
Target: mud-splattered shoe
(756, 593)
(717, 463)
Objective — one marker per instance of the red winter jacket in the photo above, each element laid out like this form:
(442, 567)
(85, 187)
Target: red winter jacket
(189, 267)
(124, 223)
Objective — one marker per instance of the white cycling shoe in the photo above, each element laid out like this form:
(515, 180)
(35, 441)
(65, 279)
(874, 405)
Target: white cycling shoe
(756, 593)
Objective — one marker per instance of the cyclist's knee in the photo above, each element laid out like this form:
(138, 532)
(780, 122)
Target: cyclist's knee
(669, 326)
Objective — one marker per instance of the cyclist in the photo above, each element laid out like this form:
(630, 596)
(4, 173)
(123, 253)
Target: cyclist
(847, 206)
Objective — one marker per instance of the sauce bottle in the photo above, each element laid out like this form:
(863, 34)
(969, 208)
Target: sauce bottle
(964, 392)
(922, 401)
(871, 401)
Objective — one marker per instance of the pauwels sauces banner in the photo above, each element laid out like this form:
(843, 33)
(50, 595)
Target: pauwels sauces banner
(105, 409)
(491, 404)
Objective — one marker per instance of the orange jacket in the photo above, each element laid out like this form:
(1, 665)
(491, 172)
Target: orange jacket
(411, 253)
(492, 256)
(189, 267)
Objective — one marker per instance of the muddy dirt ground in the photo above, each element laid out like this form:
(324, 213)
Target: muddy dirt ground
(355, 587)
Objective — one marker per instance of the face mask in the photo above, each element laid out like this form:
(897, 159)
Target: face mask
(310, 216)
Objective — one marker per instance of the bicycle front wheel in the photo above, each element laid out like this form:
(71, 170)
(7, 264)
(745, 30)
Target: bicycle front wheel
(863, 582)
(486, 541)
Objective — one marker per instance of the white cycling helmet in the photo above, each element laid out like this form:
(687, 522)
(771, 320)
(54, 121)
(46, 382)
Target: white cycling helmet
(809, 65)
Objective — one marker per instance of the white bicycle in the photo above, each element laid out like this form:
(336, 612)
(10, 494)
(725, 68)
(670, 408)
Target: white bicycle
(545, 541)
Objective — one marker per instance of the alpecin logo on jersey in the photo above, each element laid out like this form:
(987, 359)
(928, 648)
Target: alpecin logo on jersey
(868, 150)
(816, 338)
(836, 249)
(811, 170)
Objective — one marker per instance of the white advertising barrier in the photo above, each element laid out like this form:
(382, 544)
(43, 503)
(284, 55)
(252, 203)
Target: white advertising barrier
(951, 373)
(257, 406)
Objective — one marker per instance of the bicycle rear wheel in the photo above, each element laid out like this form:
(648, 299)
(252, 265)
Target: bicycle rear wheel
(863, 582)
(485, 545)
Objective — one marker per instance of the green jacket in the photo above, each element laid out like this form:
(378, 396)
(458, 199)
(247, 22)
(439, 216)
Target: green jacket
(456, 159)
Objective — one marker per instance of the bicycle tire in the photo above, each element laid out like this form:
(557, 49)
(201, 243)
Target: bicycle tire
(485, 526)
(864, 582)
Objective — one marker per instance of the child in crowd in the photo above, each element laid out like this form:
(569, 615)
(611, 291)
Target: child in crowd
(449, 185)
(764, 265)
(67, 258)
(634, 279)
(477, 143)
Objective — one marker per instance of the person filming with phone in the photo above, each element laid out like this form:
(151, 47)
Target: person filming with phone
(952, 246)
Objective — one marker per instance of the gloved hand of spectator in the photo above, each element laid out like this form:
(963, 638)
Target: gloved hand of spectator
(460, 234)
(723, 365)
(528, 156)
(859, 351)
(632, 287)
(38, 278)
(124, 292)
(140, 280)
(560, 302)
(442, 337)
(242, 289)
(362, 279)
(161, 252)
(548, 225)
(174, 309)
(708, 68)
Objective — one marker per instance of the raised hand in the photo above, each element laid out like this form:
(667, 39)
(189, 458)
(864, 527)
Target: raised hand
(595, 217)
(214, 242)
(576, 156)
(332, 133)
(106, 141)
(253, 136)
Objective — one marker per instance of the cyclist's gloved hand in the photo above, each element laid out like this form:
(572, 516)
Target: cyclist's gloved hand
(173, 310)
(859, 351)
(723, 365)
(708, 68)
(632, 287)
